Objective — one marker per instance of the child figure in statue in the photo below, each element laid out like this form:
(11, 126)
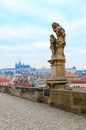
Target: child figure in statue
(53, 45)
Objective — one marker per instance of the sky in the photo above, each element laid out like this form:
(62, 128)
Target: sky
(25, 28)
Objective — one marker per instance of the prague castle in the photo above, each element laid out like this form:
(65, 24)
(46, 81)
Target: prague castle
(19, 65)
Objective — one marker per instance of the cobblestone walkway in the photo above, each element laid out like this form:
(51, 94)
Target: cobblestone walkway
(21, 114)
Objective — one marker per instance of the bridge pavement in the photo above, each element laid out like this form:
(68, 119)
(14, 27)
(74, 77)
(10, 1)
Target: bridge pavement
(21, 114)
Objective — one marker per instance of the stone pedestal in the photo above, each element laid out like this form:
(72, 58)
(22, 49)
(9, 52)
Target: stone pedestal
(57, 79)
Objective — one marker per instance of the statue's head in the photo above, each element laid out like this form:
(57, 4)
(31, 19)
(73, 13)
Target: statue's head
(54, 26)
(51, 36)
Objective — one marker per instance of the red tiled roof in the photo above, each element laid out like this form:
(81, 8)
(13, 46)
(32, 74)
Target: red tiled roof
(82, 80)
(44, 77)
(3, 79)
(31, 78)
(25, 84)
(68, 75)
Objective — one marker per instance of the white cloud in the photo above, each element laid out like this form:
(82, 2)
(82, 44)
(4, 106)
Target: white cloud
(76, 24)
(76, 33)
(25, 47)
(60, 1)
(75, 29)
(53, 16)
(9, 3)
(43, 13)
(76, 57)
(23, 6)
(29, 53)
(79, 52)
(25, 31)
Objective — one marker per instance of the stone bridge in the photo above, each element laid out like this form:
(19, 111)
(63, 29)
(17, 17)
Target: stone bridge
(21, 114)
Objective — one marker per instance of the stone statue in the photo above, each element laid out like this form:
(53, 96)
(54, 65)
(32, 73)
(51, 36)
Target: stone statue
(57, 79)
(58, 43)
(53, 44)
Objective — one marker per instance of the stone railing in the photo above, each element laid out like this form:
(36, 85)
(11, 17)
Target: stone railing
(69, 100)
(35, 94)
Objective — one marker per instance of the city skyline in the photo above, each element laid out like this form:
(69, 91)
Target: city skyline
(25, 28)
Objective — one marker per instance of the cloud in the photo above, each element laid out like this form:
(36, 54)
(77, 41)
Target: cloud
(35, 54)
(52, 16)
(75, 56)
(59, 2)
(26, 7)
(36, 9)
(25, 31)
(76, 33)
(28, 25)
(10, 4)
(76, 24)
(25, 47)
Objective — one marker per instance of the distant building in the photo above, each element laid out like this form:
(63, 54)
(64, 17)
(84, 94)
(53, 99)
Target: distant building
(81, 73)
(70, 77)
(44, 71)
(71, 70)
(7, 72)
(79, 83)
(19, 65)
(4, 81)
(21, 68)
(20, 80)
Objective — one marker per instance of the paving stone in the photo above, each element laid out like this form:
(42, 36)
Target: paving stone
(21, 114)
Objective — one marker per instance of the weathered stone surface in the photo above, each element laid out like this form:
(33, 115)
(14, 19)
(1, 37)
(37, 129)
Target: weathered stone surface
(29, 93)
(75, 109)
(46, 99)
(57, 61)
(73, 101)
(83, 110)
(66, 100)
(79, 95)
(80, 102)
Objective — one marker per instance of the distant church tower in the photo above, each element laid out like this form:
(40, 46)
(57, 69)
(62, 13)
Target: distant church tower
(19, 65)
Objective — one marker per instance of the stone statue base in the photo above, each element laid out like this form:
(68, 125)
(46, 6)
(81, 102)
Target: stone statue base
(57, 79)
(56, 84)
